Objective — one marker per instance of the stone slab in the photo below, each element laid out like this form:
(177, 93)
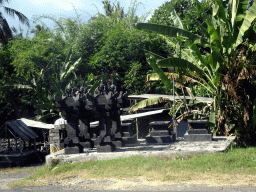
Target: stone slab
(159, 133)
(198, 131)
(197, 137)
(160, 139)
(159, 125)
(87, 144)
(141, 148)
(106, 148)
(72, 150)
(118, 143)
(126, 134)
(130, 140)
(201, 123)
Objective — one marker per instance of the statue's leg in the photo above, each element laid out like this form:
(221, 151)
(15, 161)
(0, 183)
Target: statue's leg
(84, 125)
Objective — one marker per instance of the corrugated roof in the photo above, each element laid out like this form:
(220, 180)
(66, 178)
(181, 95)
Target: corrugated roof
(133, 116)
(167, 97)
(21, 129)
(37, 124)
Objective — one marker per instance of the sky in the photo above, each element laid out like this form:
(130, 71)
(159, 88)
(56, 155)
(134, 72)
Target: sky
(63, 8)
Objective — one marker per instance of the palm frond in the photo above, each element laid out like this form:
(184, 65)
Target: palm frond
(22, 18)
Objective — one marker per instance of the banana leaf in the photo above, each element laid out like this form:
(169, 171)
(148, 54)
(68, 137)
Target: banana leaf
(247, 23)
(95, 85)
(155, 77)
(152, 60)
(212, 119)
(147, 102)
(171, 32)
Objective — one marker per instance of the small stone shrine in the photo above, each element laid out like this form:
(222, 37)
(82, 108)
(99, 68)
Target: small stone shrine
(197, 131)
(78, 108)
(160, 132)
(128, 129)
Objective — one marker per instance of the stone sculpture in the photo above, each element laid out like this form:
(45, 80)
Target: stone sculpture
(79, 108)
(198, 131)
(69, 105)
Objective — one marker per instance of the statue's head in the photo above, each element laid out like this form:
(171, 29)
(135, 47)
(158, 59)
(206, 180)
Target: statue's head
(105, 88)
(68, 91)
(82, 90)
(112, 88)
(101, 87)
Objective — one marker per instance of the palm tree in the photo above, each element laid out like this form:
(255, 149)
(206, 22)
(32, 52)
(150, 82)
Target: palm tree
(5, 31)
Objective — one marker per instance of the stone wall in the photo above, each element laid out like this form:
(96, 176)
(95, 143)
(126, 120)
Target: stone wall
(54, 137)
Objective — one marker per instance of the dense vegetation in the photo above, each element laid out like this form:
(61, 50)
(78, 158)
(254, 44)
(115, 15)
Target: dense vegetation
(210, 43)
(220, 57)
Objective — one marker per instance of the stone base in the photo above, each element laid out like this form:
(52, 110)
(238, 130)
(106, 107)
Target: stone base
(197, 137)
(126, 127)
(106, 148)
(73, 150)
(160, 139)
(118, 143)
(96, 142)
(159, 133)
(198, 131)
(128, 139)
(160, 125)
(200, 123)
(87, 144)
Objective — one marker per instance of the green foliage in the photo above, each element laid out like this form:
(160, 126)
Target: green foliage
(24, 51)
(199, 91)
(6, 69)
(16, 103)
(227, 32)
(112, 46)
(191, 13)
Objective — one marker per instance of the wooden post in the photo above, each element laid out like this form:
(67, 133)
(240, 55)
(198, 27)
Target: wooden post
(136, 123)
(9, 145)
(16, 144)
(43, 132)
(34, 141)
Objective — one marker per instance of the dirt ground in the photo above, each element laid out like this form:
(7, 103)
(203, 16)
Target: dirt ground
(137, 184)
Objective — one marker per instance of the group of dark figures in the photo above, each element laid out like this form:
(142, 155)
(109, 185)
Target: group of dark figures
(80, 108)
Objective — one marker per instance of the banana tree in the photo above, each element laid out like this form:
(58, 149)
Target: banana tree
(226, 32)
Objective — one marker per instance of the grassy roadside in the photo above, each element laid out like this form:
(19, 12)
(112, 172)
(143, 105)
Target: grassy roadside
(237, 165)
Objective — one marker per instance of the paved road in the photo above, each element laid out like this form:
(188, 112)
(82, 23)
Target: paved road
(101, 185)
(179, 187)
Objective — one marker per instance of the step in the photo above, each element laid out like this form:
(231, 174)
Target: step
(197, 137)
(160, 139)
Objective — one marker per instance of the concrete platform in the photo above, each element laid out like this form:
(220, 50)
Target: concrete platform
(179, 147)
